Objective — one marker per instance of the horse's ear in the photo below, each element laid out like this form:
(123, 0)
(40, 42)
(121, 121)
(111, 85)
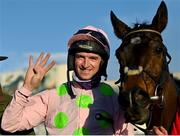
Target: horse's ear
(161, 18)
(120, 28)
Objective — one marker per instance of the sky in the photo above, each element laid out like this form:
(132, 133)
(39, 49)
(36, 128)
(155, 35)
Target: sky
(28, 27)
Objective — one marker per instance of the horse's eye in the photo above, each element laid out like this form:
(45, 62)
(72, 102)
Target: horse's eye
(159, 50)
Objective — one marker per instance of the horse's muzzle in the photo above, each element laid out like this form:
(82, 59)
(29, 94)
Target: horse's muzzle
(135, 103)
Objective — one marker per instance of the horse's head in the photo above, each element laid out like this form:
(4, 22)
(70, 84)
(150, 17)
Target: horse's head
(143, 60)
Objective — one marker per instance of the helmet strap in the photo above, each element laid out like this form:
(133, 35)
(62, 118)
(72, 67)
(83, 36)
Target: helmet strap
(69, 84)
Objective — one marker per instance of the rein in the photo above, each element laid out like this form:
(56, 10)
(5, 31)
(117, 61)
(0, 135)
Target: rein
(158, 96)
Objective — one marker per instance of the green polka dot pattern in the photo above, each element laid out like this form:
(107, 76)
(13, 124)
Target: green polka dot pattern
(103, 123)
(106, 90)
(61, 120)
(62, 90)
(84, 101)
(81, 131)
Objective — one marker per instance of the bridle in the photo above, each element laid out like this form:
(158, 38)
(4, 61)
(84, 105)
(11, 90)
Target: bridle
(157, 100)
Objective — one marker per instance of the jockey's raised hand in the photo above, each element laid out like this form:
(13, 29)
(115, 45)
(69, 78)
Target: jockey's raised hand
(37, 71)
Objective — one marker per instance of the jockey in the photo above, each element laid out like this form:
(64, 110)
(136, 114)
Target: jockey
(81, 106)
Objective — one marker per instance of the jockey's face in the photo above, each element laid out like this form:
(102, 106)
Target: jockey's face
(87, 65)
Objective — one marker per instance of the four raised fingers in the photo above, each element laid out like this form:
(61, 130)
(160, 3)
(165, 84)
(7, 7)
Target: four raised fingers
(41, 62)
(37, 71)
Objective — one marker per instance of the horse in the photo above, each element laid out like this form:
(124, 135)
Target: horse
(147, 91)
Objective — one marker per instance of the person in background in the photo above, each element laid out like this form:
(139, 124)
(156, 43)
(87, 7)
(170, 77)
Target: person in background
(83, 105)
(4, 101)
(1, 93)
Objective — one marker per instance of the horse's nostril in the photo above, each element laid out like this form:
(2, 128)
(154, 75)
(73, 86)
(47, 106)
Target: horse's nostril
(134, 98)
(138, 98)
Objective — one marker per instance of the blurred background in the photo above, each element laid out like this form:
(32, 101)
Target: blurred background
(28, 27)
